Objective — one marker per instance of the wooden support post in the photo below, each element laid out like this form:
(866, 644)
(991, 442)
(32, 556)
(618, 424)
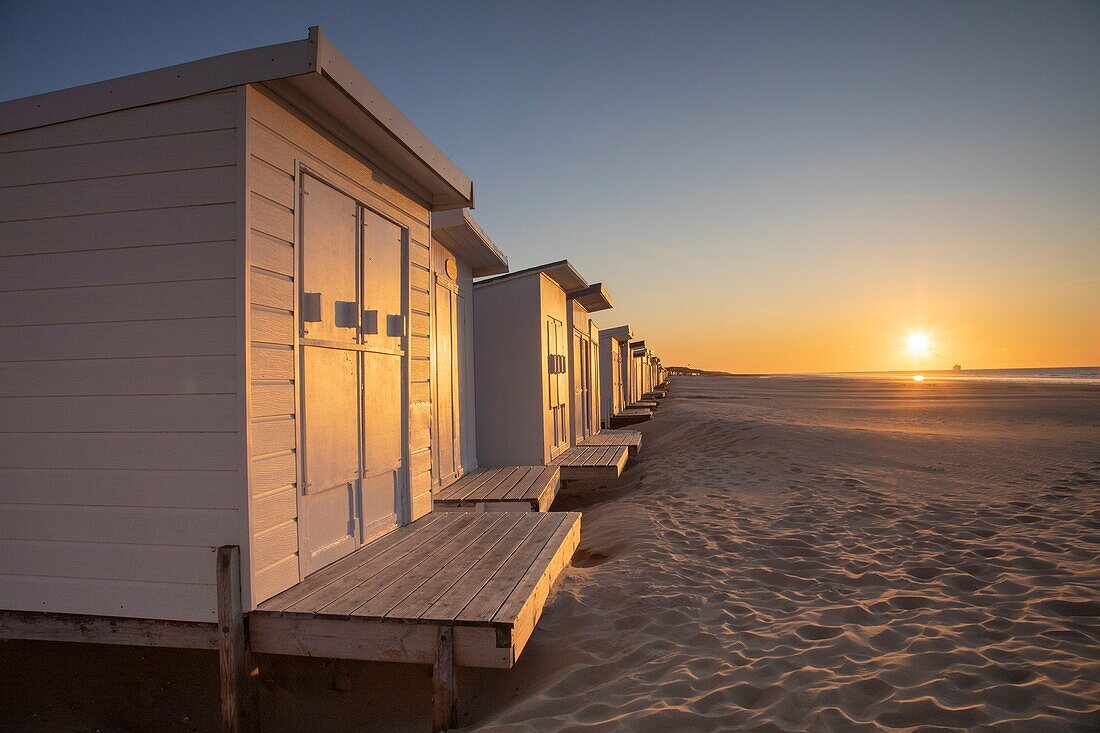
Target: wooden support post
(444, 681)
(239, 683)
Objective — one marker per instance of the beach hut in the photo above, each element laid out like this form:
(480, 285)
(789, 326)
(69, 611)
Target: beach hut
(461, 251)
(526, 389)
(614, 378)
(584, 359)
(222, 361)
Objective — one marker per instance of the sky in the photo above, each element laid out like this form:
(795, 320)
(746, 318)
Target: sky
(761, 186)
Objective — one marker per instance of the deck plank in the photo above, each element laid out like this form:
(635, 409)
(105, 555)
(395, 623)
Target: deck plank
(341, 568)
(418, 603)
(401, 574)
(380, 604)
(459, 595)
(492, 597)
(513, 604)
(379, 561)
(501, 487)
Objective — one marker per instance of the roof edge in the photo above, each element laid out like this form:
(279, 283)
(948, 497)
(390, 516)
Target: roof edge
(266, 63)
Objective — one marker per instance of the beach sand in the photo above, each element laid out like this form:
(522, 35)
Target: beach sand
(785, 555)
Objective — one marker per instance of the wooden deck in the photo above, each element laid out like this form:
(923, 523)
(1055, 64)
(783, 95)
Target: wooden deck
(592, 462)
(515, 488)
(486, 575)
(630, 417)
(632, 439)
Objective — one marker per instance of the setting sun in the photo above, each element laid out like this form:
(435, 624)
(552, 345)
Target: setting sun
(918, 343)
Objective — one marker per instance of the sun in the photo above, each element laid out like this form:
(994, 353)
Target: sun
(918, 343)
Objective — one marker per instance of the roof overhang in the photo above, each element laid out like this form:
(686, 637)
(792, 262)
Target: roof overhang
(456, 230)
(313, 68)
(561, 272)
(619, 333)
(593, 298)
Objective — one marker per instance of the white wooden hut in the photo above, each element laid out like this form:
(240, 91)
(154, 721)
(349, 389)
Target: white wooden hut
(220, 366)
(525, 392)
(613, 344)
(584, 360)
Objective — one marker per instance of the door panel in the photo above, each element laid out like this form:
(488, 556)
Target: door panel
(445, 353)
(330, 454)
(383, 267)
(328, 266)
(580, 374)
(383, 441)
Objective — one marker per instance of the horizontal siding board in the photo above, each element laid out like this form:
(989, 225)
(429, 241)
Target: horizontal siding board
(419, 346)
(420, 254)
(189, 337)
(106, 560)
(420, 324)
(119, 158)
(419, 369)
(126, 598)
(420, 392)
(420, 426)
(271, 254)
(119, 229)
(168, 375)
(418, 278)
(271, 400)
(124, 525)
(272, 290)
(272, 219)
(273, 472)
(116, 414)
(198, 489)
(177, 452)
(120, 266)
(419, 301)
(275, 544)
(193, 114)
(272, 183)
(276, 508)
(274, 436)
(271, 327)
(155, 301)
(128, 193)
(275, 579)
(272, 362)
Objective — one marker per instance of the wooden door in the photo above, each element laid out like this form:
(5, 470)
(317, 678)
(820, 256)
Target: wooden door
(448, 347)
(352, 349)
(331, 470)
(383, 368)
(557, 374)
(579, 378)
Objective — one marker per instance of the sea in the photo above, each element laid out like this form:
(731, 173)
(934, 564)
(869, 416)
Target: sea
(1063, 375)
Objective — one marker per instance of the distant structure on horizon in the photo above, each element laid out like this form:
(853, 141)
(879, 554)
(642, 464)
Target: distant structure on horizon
(957, 368)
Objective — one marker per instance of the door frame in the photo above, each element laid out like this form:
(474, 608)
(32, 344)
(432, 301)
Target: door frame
(403, 503)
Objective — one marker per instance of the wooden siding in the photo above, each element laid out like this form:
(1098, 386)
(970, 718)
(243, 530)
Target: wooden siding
(118, 398)
(279, 140)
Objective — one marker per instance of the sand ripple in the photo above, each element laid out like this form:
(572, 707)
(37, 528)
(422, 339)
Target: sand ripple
(766, 575)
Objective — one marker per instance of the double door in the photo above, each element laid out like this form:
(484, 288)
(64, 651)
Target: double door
(582, 386)
(352, 315)
(557, 374)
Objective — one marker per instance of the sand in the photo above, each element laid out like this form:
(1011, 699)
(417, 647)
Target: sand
(785, 555)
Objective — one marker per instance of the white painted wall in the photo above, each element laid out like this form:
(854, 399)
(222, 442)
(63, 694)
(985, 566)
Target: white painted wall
(510, 383)
(119, 413)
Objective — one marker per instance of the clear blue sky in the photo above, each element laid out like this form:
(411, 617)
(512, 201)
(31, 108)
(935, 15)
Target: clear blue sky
(762, 186)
